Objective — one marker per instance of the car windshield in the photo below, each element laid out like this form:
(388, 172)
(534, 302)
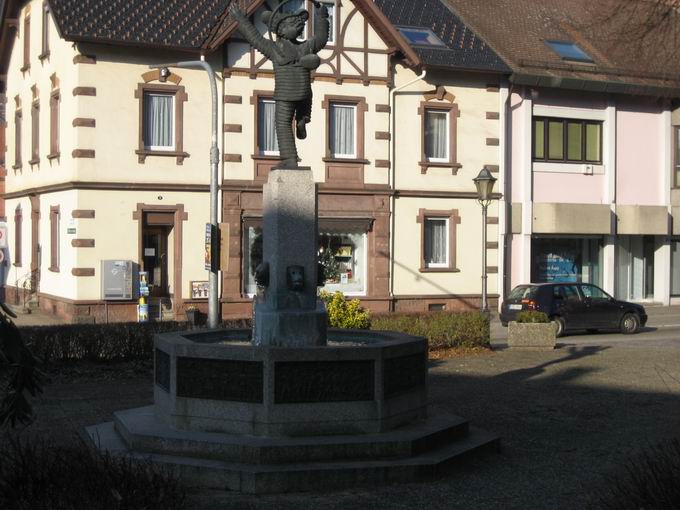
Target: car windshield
(592, 292)
(523, 292)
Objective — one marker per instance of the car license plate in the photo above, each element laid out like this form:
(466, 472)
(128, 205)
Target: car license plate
(515, 307)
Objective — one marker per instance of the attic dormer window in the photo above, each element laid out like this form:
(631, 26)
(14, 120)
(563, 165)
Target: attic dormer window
(569, 51)
(421, 36)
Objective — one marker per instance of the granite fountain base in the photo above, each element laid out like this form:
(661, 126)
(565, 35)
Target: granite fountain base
(262, 419)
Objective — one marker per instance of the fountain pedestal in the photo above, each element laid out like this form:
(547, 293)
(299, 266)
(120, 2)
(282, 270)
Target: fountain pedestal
(290, 406)
(289, 313)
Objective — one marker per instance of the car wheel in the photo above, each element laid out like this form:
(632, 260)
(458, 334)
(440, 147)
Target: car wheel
(561, 326)
(630, 323)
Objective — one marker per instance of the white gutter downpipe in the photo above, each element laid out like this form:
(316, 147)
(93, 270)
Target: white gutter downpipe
(393, 170)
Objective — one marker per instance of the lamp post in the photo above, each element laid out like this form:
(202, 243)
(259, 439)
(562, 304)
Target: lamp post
(484, 183)
(213, 304)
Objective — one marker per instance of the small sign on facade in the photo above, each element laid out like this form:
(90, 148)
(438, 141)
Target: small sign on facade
(71, 230)
(208, 246)
(199, 290)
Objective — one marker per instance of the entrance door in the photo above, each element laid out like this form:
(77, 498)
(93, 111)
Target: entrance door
(635, 268)
(155, 259)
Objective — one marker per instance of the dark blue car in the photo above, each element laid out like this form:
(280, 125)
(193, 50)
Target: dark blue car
(574, 306)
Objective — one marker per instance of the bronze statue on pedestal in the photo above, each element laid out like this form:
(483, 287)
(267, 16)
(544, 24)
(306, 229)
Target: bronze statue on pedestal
(293, 61)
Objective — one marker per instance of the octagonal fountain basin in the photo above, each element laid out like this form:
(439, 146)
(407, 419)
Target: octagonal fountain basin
(361, 382)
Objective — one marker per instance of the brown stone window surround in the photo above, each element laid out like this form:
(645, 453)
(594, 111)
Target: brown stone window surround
(18, 118)
(440, 101)
(180, 96)
(27, 42)
(454, 220)
(263, 163)
(346, 172)
(18, 224)
(360, 126)
(55, 100)
(35, 133)
(54, 238)
(45, 51)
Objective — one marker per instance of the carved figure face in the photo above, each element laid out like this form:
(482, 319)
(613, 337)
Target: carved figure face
(296, 278)
(292, 27)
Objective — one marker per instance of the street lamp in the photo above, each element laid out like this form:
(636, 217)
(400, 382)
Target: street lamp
(484, 183)
(213, 305)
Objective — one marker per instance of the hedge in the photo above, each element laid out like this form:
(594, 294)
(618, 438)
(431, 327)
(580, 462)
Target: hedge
(442, 329)
(101, 342)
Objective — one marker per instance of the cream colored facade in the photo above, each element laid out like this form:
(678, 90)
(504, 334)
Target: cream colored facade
(106, 190)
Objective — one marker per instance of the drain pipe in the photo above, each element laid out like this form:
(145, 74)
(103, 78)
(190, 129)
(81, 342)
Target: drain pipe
(393, 175)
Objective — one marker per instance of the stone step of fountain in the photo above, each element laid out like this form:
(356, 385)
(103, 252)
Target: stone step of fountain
(304, 476)
(142, 431)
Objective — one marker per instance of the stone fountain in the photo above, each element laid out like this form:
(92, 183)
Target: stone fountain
(290, 406)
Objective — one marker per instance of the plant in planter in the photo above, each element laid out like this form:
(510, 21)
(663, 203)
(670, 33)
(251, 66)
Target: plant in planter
(532, 330)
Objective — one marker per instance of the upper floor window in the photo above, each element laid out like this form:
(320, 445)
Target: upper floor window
(55, 99)
(438, 139)
(330, 5)
(343, 130)
(45, 52)
(268, 144)
(27, 43)
(437, 135)
(161, 121)
(676, 156)
(18, 118)
(35, 133)
(567, 140)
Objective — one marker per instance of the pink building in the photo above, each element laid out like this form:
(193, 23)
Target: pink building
(591, 179)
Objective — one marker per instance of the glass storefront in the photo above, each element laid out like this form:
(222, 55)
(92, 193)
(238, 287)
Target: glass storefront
(635, 267)
(675, 266)
(567, 259)
(342, 252)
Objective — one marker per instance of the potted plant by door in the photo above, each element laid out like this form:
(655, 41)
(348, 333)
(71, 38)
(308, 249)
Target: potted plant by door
(193, 315)
(532, 330)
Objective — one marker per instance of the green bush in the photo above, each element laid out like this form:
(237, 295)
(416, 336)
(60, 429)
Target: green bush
(532, 317)
(345, 314)
(101, 342)
(40, 475)
(442, 329)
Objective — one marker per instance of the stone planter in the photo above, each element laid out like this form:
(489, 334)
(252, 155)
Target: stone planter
(532, 336)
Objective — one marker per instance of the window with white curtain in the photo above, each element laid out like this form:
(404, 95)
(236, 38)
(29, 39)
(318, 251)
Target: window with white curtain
(266, 125)
(343, 130)
(437, 135)
(436, 242)
(159, 121)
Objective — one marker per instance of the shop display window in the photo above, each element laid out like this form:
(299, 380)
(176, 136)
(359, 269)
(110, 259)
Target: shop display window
(565, 259)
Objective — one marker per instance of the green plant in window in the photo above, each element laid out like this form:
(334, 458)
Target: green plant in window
(330, 265)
